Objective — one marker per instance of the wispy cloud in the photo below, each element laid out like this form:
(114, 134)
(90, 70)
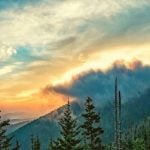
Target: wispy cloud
(6, 52)
(42, 25)
(9, 69)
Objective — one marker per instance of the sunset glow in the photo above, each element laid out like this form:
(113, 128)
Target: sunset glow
(48, 43)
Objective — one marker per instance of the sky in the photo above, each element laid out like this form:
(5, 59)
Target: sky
(47, 43)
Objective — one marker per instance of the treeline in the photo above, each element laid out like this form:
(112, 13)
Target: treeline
(85, 134)
(73, 136)
(135, 137)
(138, 137)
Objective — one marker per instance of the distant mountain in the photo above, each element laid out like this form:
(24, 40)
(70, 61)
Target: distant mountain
(45, 127)
(14, 127)
(133, 111)
(17, 120)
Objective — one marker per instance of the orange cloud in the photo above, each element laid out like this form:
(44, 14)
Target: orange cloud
(133, 64)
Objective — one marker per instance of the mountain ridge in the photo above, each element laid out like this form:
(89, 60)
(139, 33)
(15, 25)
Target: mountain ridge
(47, 127)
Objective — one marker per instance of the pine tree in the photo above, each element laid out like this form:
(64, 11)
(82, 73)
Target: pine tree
(17, 146)
(50, 146)
(69, 132)
(5, 142)
(91, 127)
(137, 137)
(55, 145)
(118, 136)
(138, 144)
(32, 142)
(109, 147)
(35, 143)
(128, 143)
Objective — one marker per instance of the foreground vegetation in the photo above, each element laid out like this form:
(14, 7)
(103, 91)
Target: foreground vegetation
(86, 135)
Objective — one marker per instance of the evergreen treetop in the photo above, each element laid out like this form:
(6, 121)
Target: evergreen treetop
(69, 132)
(91, 127)
(5, 142)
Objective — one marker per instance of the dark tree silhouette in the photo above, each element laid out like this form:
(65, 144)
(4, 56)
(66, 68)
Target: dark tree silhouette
(5, 142)
(91, 127)
(69, 132)
(35, 143)
(17, 146)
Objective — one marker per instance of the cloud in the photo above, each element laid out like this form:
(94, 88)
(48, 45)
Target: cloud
(59, 39)
(133, 79)
(6, 70)
(6, 52)
(10, 68)
(53, 22)
(6, 4)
